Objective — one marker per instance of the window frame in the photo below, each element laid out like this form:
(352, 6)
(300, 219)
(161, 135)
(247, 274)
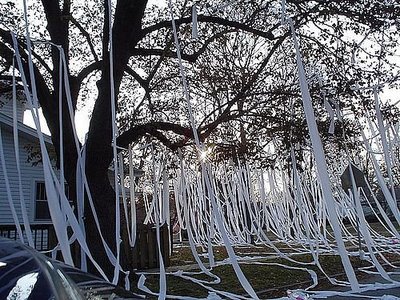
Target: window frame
(41, 184)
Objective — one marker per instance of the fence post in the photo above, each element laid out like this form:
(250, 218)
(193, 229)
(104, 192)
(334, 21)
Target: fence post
(145, 251)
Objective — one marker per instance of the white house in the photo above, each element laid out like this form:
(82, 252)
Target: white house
(31, 173)
(33, 183)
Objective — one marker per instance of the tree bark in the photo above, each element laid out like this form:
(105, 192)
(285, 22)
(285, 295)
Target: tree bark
(126, 33)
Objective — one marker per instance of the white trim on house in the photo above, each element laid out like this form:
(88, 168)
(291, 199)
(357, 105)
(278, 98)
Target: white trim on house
(23, 129)
(32, 213)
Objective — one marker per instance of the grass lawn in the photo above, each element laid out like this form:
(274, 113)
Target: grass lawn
(268, 279)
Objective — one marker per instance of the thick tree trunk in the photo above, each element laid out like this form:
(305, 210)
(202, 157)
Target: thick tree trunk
(126, 34)
(127, 31)
(98, 159)
(104, 201)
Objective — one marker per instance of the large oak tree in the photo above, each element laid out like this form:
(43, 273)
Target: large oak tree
(241, 72)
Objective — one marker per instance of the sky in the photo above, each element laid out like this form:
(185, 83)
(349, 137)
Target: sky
(81, 122)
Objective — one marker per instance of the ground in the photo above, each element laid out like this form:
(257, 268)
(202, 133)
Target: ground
(264, 270)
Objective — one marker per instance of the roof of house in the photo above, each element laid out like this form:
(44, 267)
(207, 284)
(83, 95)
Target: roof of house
(32, 133)
(6, 86)
(23, 129)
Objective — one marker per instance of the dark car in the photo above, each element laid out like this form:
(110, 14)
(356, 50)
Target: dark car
(27, 274)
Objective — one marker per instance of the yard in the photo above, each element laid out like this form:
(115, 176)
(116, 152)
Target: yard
(271, 276)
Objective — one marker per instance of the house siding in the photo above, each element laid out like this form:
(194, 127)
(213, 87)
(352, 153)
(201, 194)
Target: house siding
(6, 107)
(30, 174)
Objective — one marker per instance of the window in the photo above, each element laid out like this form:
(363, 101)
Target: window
(42, 212)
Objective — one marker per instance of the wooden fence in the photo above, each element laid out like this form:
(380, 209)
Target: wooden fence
(145, 253)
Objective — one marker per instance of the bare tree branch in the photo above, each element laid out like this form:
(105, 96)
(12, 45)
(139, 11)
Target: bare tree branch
(144, 83)
(211, 19)
(154, 128)
(172, 54)
(242, 93)
(87, 37)
(8, 54)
